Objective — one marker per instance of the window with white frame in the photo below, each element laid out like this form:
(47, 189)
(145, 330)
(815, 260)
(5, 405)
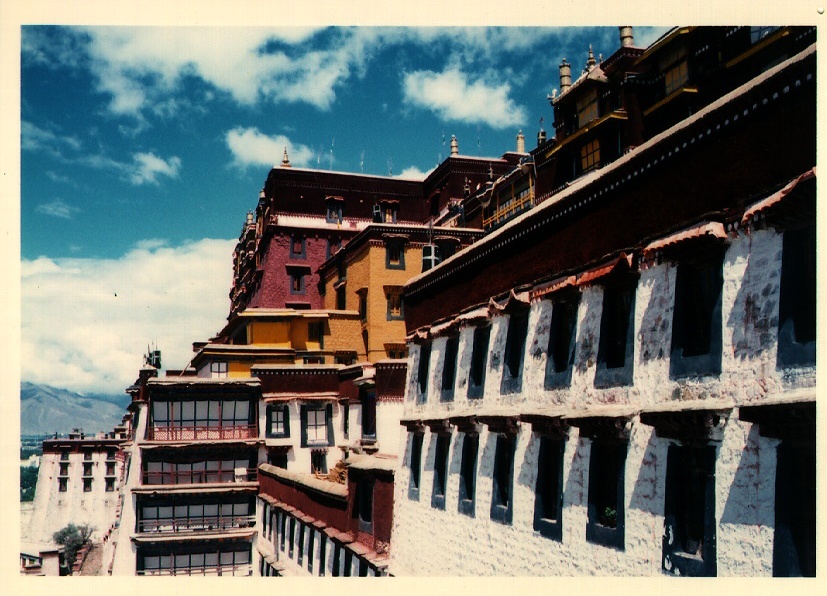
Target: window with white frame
(218, 370)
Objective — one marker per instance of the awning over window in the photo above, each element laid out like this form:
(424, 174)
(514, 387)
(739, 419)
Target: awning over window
(755, 210)
(516, 300)
(704, 231)
(688, 420)
(787, 419)
(550, 287)
(603, 422)
(619, 264)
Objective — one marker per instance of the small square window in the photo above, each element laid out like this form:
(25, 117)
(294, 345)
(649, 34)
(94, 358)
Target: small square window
(443, 443)
(317, 426)
(62, 484)
(590, 156)
(218, 370)
(676, 77)
(87, 485)
(87, 469)
(296, 282)
(394, 255)
(587, 108)
(502, 492)
(110, 469)
(110, 485)
(468, 474)
(87, 455)
(297, 247)
(64, 470)
(395, 310)
(64, 455)
(318, 461)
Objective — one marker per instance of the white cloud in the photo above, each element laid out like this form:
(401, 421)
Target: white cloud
(34, 138)
(454, 97)
(86, 322)
(57, 208)
(413, 173)
(150, 166)
(250, 147)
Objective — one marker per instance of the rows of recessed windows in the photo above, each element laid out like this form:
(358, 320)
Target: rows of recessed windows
(218, 559)
(88, 466)
(308, 547)
(689, 546)
(696, 327)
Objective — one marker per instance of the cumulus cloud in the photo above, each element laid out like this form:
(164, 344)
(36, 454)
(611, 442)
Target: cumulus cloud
(413, 173)
(149, 166)
(57, 208)
(86, 322)
(35, 138)
(454, 97)
(250, 147)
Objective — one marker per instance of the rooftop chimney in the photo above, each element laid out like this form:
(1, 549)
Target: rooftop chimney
(520, 142)
(626, 37)
(454, 145)
(285, 162)
(565, 76)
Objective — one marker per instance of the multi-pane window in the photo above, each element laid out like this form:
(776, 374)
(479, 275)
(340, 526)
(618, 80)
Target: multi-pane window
(606, 509)
(165, 517)
(416, 465)
(696, 321)
(561, 341)
(317, 426)
(396, 351)
(590, 156)
(689, 511)
(468, 474)
(278, 421)
(443, 443)
(201, 413)
(587, 107)
(502, 502)
(797, 301)
(449, 367)
(218, 370)
(548, 493)
(224, 560)
(757, 33)
(196, 472)
(479, 357)
(394, 296)
(616, 348)
(514, 350)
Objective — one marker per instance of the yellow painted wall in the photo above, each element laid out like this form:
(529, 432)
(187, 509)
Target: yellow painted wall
(275, 333)
(238, 369)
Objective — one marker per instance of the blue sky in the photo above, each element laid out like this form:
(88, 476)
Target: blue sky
(143, 148)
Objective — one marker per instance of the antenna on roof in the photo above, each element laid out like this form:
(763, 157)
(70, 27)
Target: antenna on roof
(362, 162)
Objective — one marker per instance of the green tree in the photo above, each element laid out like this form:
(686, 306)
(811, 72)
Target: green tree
(72, 538)
(28, 482)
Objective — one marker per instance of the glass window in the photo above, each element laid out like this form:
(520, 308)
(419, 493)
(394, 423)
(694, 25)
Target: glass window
(587, 107)
(590, 156)
(218, 370)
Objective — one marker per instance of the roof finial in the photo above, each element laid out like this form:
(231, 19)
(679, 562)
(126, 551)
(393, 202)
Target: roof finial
(591, 61)
(285, 162)
(454, 145)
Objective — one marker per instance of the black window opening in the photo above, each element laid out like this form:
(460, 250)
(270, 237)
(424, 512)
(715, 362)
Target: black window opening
(416, 466)
(62, 484)
(317, 426)
(606, 493)
(479, 359)
(368, 399)
(615, 352)
(300, 557)
(548, 493)
(502, 501)
(468, 474)
(561, 342)
(296, 282)
(315, 333)
(363, 305)
(394, 255)
(334, 211)
(318, 461)
(291, 542)
(396, 310)
(515, 339)
(341, 298)
(333, 246)
(422, 371)
(797, 301)
(442, 448)
(311, 539)
(689, 512)
(337, 559)
(449, 368)
(364, 504)
(278, 421)
(794, 542)
(87, 485)
(696, 320)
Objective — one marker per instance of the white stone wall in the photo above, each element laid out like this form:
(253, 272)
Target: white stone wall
(298, 457)
(455, 544)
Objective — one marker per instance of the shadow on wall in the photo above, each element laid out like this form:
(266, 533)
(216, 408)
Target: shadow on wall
(655, 326)
(648, 493)
(754, 315)
(527, 475)
(743, 505)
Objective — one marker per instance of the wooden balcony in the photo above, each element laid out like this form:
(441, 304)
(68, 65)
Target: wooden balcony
(217, 476)
(238, 570)
(201, 433)
(196, 524)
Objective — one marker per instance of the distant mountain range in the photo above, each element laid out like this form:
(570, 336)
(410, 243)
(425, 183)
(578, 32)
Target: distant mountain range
(45, 410)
